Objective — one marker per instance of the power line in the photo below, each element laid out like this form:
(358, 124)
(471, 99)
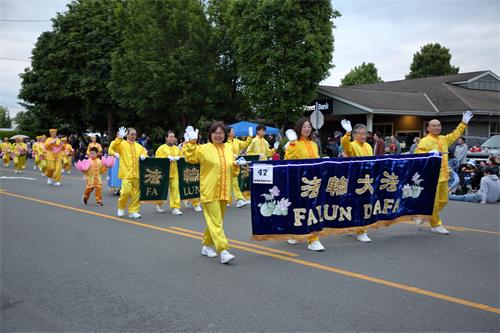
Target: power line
(3, 20)
(14, 59)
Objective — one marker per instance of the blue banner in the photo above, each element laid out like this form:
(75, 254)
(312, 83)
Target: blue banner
(322, 196)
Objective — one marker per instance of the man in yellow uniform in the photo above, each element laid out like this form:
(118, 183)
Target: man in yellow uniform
(6, 150)
(67, 155)
(434, 142)
(20, 150)
(260, 146)
(358, 147)
(54, 147)
(237, 146)
(173, 153)
(129, 153)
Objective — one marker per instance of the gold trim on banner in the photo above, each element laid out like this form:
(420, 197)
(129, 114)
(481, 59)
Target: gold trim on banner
(328, 230)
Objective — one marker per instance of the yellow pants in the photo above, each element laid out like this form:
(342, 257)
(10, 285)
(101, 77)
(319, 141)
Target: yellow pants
(37, 160)
(247, 195)
(175, 196)
(214, 233)
(6, 159)
(439, 202)
(361, 231)
(236, 189)
(98, 193)
(54, 168)
(130, 190)
(67, 163)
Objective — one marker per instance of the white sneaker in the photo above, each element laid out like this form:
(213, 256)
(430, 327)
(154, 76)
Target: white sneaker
(49, 181)
(292, 241)
(15, 170)
(69, 172)
(208, 251)
(364, 238)
(62, 171)
(315, 246)
(34, 167)
(159, 209)
(226, 257)
(241, 203)
(197, 208)
(176, 211)
(57, 184)
(120, 213)
(418, 221)
(440, 230)
(135, 216)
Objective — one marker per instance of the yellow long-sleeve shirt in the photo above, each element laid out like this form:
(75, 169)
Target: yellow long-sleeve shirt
(354, 148)
(300, 149)
(20, 149)
(53, 150)
(67, 149)
(238, 145)
(129, 152)
(260, 146)
(165, 151)
(440, 143)
(6, 147)
(217, 169)
(93, 174)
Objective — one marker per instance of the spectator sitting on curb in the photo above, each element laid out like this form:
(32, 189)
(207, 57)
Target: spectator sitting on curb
(489, 192)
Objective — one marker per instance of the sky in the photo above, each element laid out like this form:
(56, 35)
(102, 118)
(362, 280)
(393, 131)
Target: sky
(385, 32)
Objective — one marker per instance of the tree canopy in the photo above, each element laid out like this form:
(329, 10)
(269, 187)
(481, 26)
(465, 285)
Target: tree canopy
(366, 73)
(432, 60)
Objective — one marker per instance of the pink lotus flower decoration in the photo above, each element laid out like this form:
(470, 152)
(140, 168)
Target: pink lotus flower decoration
(83, 165)
(108, 161)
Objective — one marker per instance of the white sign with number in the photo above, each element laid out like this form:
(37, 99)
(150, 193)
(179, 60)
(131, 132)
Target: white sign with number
(262, 174)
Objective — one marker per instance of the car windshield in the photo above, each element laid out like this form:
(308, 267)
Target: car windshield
(493, 142)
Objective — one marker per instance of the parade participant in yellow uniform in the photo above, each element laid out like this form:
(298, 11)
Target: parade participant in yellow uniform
(20, 150)
(94, 143)
(35, 153)
(434, 142)
(237, 146)
(217, 168)
(358, 147)
(260, 146)
(68, 155)
(303, 148)
(6, 151)
(173, 153)
(129, 153)
(53, 146)
(43, 154)
(196, 203)
(93, 176)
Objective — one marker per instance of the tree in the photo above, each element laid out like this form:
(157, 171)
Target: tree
(163, 67)
(71, 67)
(282, 49)
(432, 60)
(366, 73)
(5, 121)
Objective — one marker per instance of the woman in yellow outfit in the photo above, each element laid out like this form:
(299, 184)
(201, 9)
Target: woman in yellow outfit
(260, 146)
(6, 148)
(20, 150)
(434, 142)
(94, 143)
(35, 153)
(217, 168)
(357, 147)
(67, 155)
(237, 146)
(173, 153)
(93, 176)
(53, 146)
(129, 153)
(303, 148)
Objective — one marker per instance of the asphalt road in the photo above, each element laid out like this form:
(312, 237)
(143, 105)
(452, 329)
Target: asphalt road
(66, 267)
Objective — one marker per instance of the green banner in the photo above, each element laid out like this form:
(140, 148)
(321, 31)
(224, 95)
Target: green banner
(244, 175)
(189, 179)
(153, 179)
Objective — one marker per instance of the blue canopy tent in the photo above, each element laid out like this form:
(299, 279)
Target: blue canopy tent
(241, 128)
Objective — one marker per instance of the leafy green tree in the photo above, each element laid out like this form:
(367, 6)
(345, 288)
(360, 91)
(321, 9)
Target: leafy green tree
(5, 121)
(366, 73)
(71, 67)
(282, 49)
(163, 67)
(432, 60)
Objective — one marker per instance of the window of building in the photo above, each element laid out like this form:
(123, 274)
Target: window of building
(494, 128)
(385, 129)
